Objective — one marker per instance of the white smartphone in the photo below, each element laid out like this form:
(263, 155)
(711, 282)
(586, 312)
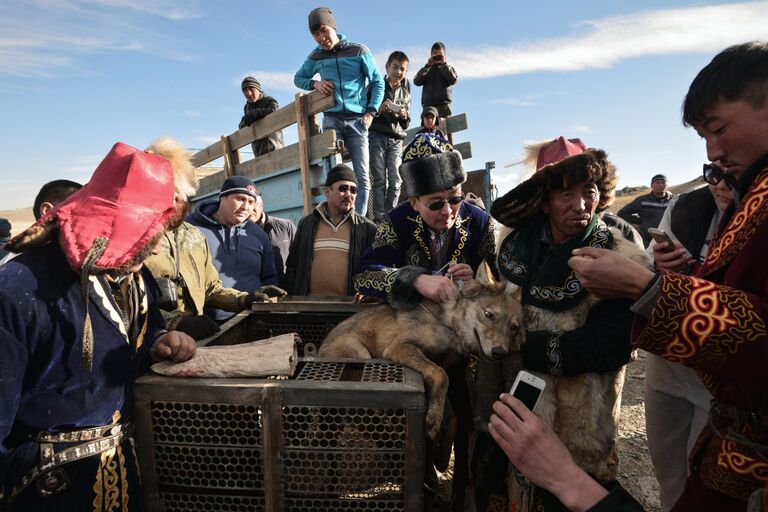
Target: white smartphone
(394, 107)
(659, 235)
(528, 389)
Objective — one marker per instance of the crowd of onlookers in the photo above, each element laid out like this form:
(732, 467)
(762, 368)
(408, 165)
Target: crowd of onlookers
(122, 272)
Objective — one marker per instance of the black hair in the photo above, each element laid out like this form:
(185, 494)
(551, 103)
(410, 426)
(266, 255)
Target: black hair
(739, 72)
(438, 46)
(397, 55)
(54, 192)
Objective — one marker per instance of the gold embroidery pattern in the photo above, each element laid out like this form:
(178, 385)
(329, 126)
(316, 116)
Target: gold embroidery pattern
(380, 280)
(487, 247)
(751, 214)
(111, 488)
(554, 357)
(385, 236)
(733, 460)
(700, 313)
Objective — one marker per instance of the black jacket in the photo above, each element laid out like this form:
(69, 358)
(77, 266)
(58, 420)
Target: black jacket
(388, 123)
(691, 217)
(438, 83)
(299, 264)
(252, 112)
(281, 233)
(645, 211)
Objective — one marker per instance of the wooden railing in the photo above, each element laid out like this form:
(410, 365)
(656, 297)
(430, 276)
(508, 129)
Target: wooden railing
(310, 157)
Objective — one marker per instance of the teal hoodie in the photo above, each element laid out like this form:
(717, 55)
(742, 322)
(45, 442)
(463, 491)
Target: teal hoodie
(347, 65)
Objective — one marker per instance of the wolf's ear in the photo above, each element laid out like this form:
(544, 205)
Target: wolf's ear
(471, 290)
(484, 274)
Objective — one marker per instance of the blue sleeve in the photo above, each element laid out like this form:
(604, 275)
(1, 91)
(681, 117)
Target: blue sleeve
(303, 77)
(14, 357)
(375, 81)
(375, 273)
(268, 271)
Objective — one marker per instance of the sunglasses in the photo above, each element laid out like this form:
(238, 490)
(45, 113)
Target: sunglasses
(343, 188)
(453, 201)
(713, 174)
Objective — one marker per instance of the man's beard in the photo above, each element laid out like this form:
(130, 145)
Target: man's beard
(178, 218)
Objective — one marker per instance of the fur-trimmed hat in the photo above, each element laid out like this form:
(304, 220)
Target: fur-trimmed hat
(430, 164)
(184, 178)
(525, 200)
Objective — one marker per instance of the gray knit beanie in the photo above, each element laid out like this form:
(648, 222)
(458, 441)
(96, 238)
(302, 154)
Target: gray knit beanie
(321, 16)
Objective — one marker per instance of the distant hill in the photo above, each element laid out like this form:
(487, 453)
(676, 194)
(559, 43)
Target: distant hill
(21, 219)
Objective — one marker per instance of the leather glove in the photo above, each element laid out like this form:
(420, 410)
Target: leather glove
(199, 327)
(262, 294)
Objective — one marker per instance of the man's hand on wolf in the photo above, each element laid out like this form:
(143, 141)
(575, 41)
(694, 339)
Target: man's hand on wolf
(435, 288)
(460, 272)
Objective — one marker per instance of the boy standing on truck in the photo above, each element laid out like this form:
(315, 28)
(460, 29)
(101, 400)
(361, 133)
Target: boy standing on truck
(344, 67)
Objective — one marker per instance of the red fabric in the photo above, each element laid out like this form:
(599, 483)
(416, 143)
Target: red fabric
(128, 200)
(559, 149)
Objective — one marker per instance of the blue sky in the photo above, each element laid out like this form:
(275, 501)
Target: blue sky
(78, 75)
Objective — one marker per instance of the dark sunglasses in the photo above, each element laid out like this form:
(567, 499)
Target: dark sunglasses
(343, 188)
(453, 201)
(713, 174)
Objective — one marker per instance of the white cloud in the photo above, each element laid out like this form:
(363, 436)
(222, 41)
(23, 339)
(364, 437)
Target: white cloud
(580, 128)
(607, 41)
(39, 38)
(191, 113)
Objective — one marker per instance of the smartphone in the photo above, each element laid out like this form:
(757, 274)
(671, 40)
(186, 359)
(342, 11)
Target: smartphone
(394, 107)
(659, 235)
(528, 389)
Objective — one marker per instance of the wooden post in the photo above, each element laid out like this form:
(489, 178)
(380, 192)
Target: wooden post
(302, 123)
(231, 158)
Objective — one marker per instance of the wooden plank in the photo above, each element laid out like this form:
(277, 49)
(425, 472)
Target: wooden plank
(229, 165)
(207, 155)
(320, 146)
(302, 124)
(284, 117)
(452, 124)
(465, 148)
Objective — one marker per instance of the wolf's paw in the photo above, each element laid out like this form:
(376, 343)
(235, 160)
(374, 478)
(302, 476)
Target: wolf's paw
(432, 423)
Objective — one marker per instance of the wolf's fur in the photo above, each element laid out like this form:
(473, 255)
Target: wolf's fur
(481, 319)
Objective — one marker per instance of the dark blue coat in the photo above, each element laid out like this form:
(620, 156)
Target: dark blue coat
(43, 383)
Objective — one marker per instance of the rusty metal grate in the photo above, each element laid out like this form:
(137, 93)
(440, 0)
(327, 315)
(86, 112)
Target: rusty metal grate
(383, 372)
(310, 328)
(190, 423)
(321, 371)
(187, 502)
(293, 504)
(209, 467)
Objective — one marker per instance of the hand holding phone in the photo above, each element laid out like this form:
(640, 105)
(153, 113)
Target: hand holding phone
(659, 235)
(528, 389)
(395, 108)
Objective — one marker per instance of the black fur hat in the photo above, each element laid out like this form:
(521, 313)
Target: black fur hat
(430, 164)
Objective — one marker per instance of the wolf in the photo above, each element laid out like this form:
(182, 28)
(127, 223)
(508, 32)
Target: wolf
(480, 319)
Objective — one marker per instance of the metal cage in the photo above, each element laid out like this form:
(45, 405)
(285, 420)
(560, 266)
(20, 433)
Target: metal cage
(339, 436)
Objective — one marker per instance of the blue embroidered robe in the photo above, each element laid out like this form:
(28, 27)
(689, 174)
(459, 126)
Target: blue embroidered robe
(45, 387)
(400, 252)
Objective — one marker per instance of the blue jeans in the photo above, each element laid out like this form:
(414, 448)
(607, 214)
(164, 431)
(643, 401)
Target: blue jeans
(386, 156)
(355, 136)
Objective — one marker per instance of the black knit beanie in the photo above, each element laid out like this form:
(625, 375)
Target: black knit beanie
(321, 16)
(340, 173)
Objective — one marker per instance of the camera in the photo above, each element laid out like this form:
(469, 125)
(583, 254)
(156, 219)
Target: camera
(168, 296)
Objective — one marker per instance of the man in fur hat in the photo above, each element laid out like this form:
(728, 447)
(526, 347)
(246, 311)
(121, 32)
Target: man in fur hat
(577, 343)
(78, 324)
(715, 321)
(184, 263)
(424, 248)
